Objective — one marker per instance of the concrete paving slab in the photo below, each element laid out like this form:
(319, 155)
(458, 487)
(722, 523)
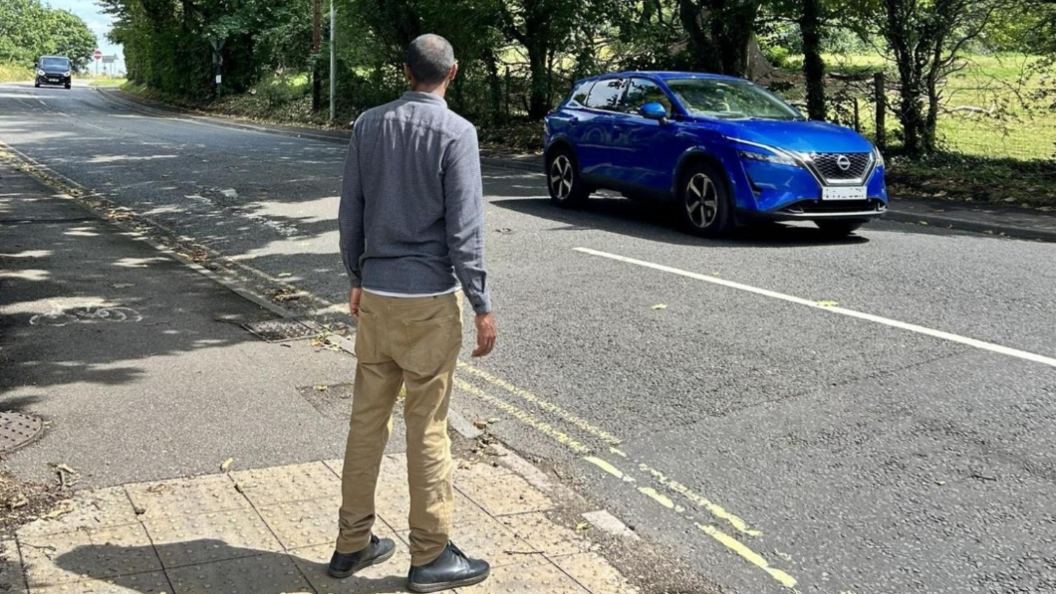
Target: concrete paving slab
(537, 575)
(86, 510)
(272, 573)
(12, 580)
(270, 486)
(189, 540)
(596, 574)
(300, 524)
(181, 497)
(546, 536)
(140, 583)
(511, 495)
(75, 556)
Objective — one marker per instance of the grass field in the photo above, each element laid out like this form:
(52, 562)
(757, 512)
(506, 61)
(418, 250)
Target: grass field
(991, 107)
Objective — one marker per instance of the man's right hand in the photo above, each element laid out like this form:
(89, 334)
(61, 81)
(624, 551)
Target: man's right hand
(486, 333)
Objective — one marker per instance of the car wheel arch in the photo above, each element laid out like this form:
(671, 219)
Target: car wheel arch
(691, 158)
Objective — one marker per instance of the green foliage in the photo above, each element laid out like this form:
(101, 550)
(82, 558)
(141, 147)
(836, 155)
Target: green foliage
(14, 73)
(30, 29)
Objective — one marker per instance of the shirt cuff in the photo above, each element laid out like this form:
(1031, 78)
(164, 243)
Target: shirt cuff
(481, 303)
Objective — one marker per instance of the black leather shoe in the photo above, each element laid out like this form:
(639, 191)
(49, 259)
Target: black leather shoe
(379, 550)
(452, 569)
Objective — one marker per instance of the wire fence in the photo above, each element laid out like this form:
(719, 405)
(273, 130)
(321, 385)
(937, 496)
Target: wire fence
(991, 118)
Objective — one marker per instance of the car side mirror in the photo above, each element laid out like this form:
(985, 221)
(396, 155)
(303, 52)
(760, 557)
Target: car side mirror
(654, 111)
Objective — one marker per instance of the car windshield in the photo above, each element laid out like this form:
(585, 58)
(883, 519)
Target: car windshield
(55, 63)
(730, 100)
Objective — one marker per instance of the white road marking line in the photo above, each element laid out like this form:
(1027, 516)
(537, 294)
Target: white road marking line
(972, 342)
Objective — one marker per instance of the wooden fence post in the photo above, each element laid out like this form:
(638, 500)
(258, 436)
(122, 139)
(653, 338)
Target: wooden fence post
(881, 110)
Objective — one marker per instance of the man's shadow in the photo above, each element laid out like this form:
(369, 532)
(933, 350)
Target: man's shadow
(207, 565)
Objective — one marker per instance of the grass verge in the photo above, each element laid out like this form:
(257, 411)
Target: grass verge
(967, 178)
(107, 82)
(14, 73)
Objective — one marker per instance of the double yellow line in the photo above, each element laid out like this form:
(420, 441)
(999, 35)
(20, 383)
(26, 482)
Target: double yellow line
(657, 483)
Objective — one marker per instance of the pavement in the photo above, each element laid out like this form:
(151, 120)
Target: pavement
(149, 383)
(770, 411)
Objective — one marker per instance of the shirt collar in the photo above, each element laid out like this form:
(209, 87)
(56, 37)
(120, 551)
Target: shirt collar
(419, 97)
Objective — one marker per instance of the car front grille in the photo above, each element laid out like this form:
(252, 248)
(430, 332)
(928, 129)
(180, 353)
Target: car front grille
(842, 167)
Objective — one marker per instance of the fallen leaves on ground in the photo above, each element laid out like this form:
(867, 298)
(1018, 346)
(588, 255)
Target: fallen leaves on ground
(226, 464)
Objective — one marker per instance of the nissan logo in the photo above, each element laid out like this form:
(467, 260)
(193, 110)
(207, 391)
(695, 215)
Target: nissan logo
(843, 162)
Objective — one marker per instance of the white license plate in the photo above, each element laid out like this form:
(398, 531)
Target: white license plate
(846, 193)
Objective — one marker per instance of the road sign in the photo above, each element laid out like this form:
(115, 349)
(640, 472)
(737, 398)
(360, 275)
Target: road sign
(109, 59)
(96, 55)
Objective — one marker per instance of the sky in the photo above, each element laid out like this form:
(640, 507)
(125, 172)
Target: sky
(98, 22)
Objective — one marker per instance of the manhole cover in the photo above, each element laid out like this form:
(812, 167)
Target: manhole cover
(279, 330)
(17, 429)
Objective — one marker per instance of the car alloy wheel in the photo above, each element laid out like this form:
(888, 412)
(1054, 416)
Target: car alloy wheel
(702, 201)
(562, 176)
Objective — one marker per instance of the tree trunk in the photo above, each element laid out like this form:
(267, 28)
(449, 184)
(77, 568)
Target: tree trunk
(813, 64)
(703, 53)
(317, 77)
(494, 85)
(538, 100)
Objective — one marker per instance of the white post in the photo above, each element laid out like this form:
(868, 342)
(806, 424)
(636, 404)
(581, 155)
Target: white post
(333, 61)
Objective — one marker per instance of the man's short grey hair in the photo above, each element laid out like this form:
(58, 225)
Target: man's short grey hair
(430, 57)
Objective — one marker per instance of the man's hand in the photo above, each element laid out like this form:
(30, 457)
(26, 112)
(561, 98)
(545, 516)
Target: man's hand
(353, 302)
(486, 334)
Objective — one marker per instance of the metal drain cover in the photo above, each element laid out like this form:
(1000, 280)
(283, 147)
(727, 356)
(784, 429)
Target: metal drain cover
(279, 330)
(17, 429)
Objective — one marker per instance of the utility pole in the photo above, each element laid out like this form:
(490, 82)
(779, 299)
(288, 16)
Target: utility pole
(333, 60)
(317, 83)
(218, 59)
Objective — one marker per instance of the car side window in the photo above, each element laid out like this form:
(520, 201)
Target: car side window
(606, 94)
(580, 94)
(642, 91)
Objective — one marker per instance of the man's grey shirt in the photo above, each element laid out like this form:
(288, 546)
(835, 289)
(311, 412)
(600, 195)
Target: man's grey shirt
(412, 206)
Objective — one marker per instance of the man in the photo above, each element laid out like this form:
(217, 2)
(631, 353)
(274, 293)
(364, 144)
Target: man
(412, 237)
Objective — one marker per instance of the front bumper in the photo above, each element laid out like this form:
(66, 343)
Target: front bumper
(54, 79)
(788, 192)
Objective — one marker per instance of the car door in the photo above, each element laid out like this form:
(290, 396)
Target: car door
(594, 130)
(641, 146)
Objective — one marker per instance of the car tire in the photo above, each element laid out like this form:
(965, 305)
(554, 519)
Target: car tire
(563, 179)
(704, 204)
(36, 84)
(836, 229)
(68, 85)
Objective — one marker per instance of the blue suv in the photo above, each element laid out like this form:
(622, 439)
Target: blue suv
(724, 150)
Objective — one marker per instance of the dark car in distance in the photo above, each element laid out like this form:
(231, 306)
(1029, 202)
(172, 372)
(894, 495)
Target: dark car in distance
(54, 70)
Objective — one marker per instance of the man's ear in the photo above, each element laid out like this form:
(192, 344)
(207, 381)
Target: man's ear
(407, 73)
(451, 74)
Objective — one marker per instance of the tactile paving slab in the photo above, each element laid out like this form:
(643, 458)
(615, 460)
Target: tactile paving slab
(140, 583)
(187, 540)
(488, 539)
(271, 573)
(390, 576)
(548, 537)
(270, 486)
(511, 495)
(595, 573)
(530, 577)
(303, 523)
(17, 430)
(86, 554)
(187, 496)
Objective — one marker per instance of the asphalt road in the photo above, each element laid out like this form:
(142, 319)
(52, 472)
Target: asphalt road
(869, 415)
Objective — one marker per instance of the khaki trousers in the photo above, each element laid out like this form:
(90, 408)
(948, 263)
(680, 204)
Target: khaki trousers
(411, 342)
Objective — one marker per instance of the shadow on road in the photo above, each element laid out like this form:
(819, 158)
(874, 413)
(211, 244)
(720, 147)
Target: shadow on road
(656, 222)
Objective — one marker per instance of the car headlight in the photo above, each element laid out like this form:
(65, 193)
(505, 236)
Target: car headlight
(777, 158)
(68, 73)
(40, 72)
(878, 156)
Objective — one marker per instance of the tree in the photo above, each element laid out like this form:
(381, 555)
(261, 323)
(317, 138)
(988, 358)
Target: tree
(29, 29)
(810, 26)
(719, 33)
(926, 39)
